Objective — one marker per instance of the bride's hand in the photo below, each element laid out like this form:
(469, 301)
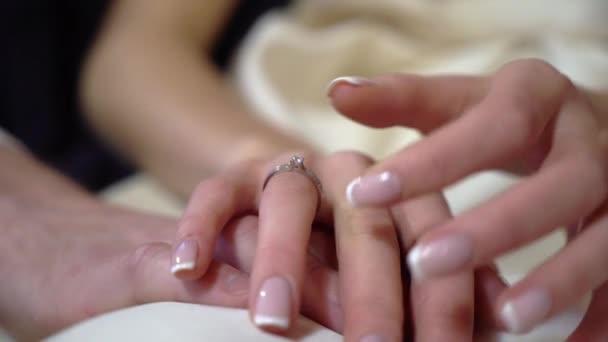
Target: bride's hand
(526, 117)
(369, 259)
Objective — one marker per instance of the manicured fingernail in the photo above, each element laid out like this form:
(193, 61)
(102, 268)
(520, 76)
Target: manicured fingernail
(184, 256)
(526, 311)
(351, 80)
(273, 307)
(373, 190)
(372, 338)
(439, 257)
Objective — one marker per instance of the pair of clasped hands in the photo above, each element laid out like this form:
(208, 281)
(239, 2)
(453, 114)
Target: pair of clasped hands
(380, 258)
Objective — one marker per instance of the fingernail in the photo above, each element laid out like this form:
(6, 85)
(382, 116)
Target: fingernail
(351, 80)
(372, 190)
(273, 306)
(439, 257)
(523, 313)
(184, 256)
(372, 338)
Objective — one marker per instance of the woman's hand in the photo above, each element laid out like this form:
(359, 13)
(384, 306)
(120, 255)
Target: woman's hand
(367, 249)
(529, 117)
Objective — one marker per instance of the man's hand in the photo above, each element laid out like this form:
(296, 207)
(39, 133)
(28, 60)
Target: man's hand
(62, 265)
(65, 256)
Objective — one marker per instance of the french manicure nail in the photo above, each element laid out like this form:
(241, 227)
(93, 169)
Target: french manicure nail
(526, 311)
(439, 257)
(374, 190)
(273, 306)
(351, 80)
(372, 338)
(184, 256)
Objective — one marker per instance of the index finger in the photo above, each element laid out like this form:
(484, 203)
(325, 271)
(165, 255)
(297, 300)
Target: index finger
(422, 102)
(523, 98)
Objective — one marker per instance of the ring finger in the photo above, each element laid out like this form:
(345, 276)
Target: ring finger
(287, 209)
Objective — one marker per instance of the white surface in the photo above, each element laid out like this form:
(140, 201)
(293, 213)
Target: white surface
(184, 322)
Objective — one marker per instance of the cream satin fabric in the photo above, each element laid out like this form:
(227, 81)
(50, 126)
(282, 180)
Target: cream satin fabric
(290, 56)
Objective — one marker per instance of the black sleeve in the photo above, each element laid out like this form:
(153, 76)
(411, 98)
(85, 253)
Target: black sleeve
(44, 43)
(245, 15)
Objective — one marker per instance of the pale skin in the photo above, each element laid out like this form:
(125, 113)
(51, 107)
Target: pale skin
(526, 117)
(151, 90)
(370, 297)
(161, 70)
(62, 248)
(148, 63)
(85, 243)
(65, 256)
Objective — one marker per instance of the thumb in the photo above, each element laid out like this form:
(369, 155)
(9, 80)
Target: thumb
(422, 102)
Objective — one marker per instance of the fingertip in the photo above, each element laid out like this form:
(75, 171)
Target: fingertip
(522, 313)
(352, 81)
(359, 99)
(413, 263)
(178, 269)
(186, 263)
(445, 255)
(349, 191)
(273, 305)
(374, 190)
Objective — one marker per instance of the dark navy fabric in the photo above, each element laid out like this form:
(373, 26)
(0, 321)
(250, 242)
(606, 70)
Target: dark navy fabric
(43, 45)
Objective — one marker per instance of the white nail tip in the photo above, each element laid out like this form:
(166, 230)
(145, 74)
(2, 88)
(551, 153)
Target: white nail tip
(349, 191)
(510, 319)
(354, 80)
(184, 266)
(271, 321)
(413, 262)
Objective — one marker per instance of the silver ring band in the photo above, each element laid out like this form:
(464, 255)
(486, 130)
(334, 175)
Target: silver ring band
(296, 164)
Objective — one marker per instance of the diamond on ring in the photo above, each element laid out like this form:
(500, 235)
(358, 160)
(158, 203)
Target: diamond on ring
(296, 164)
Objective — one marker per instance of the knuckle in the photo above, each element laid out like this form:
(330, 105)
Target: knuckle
(453, 314)
(137, 266)
(458, 318)
(215, 186)
(190, 224)
(231, 284)
(135, 260)
(211, 195)
(591, 167)
(273, 253)
(529, 68)
(370, 223)
(357, 159)
(536, 91)
(532, 69)
(526, 124)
